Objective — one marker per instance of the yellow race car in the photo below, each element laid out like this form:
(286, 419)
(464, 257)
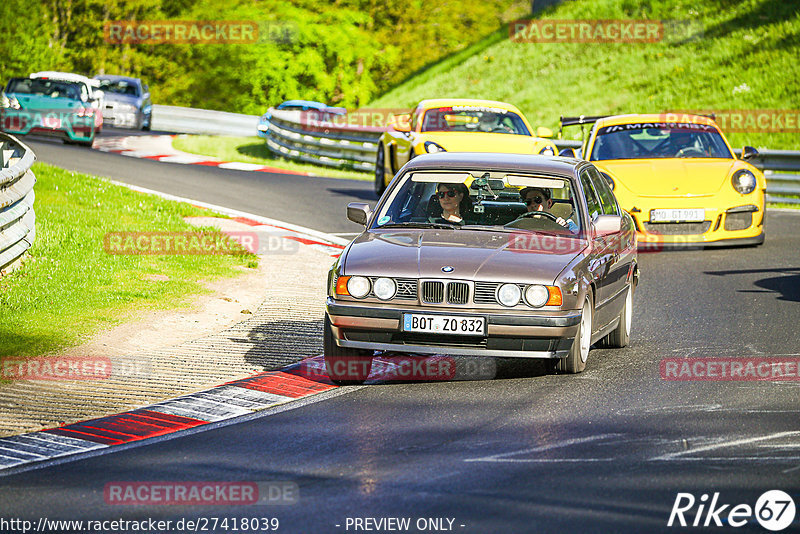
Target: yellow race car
(679, 179)
(456, 125)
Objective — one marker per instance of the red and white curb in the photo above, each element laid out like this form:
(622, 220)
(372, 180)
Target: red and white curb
(228, 401)
(120, 145)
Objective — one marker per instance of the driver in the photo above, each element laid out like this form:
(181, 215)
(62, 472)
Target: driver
(681, 141)
(488, 122)
(538, 199)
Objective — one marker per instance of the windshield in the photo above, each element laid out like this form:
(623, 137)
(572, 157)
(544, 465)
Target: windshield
(478, 199)
(42, 87)
(120, 87)
(659, 140)
(473, 119)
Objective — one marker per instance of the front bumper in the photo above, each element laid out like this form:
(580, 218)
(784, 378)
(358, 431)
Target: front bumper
(365, 326)
(735, 226)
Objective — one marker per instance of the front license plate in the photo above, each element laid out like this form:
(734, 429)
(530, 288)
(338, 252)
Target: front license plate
(678, 215)
(444, 324)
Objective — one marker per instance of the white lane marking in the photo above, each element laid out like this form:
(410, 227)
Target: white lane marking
(181, 159)
(723, 444)
(239, 166)
(504, 457)
(236, 213)
(139, 153)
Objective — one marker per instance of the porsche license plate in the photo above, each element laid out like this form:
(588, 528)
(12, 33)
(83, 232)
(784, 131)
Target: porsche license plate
(444, 324)
(678, 215)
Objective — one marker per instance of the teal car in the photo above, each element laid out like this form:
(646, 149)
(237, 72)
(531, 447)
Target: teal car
(53, 108)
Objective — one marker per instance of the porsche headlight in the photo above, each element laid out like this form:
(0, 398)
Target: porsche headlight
(547, 151)
(743, 181)
(509, 294)
(433, 148)
(358, 286)
(536, 296)
(384, 288)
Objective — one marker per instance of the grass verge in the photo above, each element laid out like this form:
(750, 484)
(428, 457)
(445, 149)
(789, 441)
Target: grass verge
(68, 287)
(735, 55)
(254, 150)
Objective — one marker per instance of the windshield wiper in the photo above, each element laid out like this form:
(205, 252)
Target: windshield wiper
(419, 225)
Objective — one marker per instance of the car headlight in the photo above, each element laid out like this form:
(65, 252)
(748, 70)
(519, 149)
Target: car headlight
(743, 181)
(433, 148)
(509, 294)
(536, 296)
(547, 151)
(384, 288)
(358, 286)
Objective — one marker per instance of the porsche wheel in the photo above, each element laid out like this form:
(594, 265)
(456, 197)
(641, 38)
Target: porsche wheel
(345, 367)
(575, 361)
(380, 171)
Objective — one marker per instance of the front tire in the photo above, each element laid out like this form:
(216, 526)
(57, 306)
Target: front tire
(575, 361)
(621, 335)
(345, 366)
(380, 171)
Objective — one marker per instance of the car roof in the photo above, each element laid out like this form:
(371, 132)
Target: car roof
(306, 103)
(499, 162)
(65, 76)
(116, 77)
(632, 118)
(445, 102)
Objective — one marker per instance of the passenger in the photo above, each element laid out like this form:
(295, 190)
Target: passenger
(538, 199)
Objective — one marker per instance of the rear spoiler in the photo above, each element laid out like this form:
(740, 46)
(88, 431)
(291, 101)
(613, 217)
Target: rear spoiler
(591, 119)
(573, 121)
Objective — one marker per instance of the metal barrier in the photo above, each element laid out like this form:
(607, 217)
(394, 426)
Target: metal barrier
(202, 121)
(17, 219)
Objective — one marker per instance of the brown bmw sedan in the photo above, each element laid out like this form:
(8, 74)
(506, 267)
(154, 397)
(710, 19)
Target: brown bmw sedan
(487, 255)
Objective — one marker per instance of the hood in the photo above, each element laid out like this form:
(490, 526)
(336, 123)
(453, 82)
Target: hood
(670, 177)
(474, 255)
(122, 99)
(482, 142)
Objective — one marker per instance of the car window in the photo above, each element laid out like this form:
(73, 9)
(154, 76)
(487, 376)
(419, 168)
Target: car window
(606, 197)
(473, 119)
(591, 197)
(658, 140)
(480, 199)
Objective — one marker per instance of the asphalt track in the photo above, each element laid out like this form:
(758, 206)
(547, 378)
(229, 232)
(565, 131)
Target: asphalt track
(604, 451)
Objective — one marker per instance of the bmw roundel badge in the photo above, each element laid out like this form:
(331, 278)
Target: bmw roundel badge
(447, 269)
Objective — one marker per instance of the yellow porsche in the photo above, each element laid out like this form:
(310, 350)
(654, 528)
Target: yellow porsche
(456, 125)
(679, 179)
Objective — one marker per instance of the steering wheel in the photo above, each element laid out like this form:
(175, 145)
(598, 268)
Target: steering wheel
(540, 213)
(690, 150)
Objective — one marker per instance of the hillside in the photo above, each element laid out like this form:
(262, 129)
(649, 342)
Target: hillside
(737, 55)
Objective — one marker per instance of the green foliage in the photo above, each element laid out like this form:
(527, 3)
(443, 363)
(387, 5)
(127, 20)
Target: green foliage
(343, 52)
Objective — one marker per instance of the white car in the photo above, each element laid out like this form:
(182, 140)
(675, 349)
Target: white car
(93, 95)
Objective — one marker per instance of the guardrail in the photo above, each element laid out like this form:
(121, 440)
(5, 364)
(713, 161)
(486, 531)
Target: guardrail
(202, 121)
(17, 219)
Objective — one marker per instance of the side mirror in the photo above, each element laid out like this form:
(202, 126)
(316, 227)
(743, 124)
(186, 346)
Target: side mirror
(401, 123)
(358, 212)
(568, 153)
(541, 131)
(749, 152)
(607, 224)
